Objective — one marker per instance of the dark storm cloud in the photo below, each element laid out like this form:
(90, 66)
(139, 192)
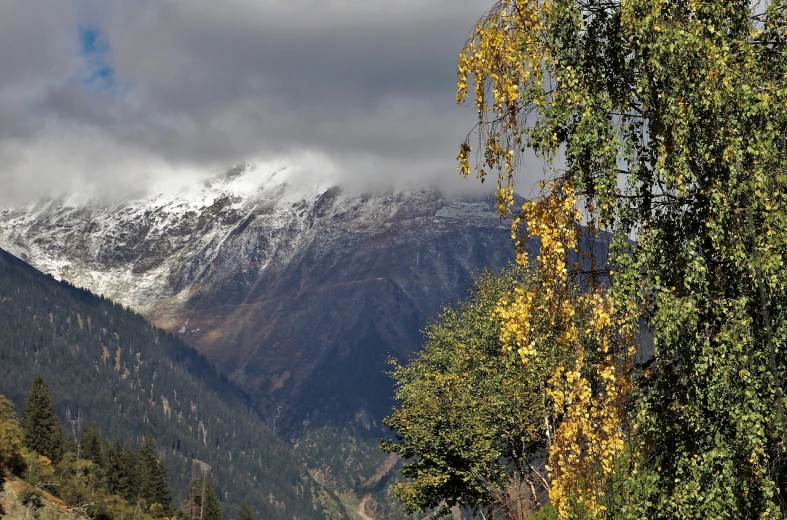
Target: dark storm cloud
(103, 93)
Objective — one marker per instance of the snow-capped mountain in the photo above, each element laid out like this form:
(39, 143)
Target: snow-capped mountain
(133, 250)
(298, 289)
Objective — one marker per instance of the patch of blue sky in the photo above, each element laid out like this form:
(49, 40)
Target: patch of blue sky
(98, 73)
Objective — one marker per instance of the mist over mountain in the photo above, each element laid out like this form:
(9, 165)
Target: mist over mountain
(298, 290)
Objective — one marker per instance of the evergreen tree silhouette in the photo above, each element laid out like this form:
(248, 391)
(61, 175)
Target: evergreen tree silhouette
(192, 502)
(201, 501)
(90, 444)
(211, 509)
(154, 485)
(41, 427)
(119, 472)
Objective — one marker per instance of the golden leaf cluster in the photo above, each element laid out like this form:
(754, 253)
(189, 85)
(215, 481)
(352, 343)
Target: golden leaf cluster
(589, 437)
(507, 58)
(503, 59)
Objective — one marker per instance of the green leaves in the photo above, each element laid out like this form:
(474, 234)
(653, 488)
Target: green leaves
(670, 119)
(470, 420)
(10, 440)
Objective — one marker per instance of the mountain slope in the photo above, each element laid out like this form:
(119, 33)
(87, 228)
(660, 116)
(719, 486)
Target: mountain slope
(104, 363)
(299, 292)
(12, 502)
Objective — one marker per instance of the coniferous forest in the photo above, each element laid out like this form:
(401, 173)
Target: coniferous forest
(92, 477)
(122, 390)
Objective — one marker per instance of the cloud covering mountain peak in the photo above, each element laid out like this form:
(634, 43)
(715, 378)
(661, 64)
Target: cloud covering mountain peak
(106, 96)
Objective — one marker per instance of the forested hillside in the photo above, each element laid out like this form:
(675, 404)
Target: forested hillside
(301, 297)
(56, 476)
(107, 365)
(238, 265)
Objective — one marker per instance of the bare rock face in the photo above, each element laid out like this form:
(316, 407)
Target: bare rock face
(300, 293)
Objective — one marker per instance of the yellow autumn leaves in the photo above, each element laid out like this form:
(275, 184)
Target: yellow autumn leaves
(502, 58)
(508, 60)
(589, 437)
(661, 122)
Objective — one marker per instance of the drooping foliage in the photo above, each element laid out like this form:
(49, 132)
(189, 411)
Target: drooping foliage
(662, 123)
(472, 421)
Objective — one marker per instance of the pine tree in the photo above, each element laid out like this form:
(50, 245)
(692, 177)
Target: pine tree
(117, 474)
(123, 477)
(201, 502)
(154, 485)
(211, 509)
(41, 427)
(245, 512)
(192, 502)
(90, 444)
(69, 444)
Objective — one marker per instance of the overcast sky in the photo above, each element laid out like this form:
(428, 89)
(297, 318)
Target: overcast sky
(106, 94)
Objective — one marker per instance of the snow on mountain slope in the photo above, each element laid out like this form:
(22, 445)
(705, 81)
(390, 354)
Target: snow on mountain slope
(298, 289)
(129, 250)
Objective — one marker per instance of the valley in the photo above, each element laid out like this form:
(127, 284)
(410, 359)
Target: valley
(299, 295)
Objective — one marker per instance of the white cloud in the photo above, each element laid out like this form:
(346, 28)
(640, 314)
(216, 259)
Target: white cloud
(199, 85)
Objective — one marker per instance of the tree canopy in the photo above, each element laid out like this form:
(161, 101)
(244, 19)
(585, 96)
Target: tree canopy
(10, 441)
(471, 418)
(91, 477)
(661, 123)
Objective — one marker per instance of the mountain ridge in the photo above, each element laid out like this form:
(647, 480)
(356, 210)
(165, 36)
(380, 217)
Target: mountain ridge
(240, 265)
(300, 292)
